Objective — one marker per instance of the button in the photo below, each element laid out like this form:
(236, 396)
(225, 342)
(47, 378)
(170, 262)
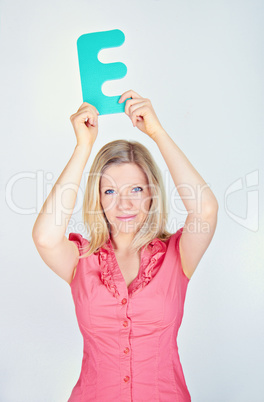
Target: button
(125, 323)
(126, 379)
(126, 350)
(124, 301)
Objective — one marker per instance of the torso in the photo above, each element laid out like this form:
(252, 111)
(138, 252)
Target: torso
(129, 266)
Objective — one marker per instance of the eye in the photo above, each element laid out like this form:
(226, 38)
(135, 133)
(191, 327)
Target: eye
(109, 191)
(137, 189)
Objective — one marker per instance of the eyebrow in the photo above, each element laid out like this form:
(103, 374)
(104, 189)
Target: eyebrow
(132, 185)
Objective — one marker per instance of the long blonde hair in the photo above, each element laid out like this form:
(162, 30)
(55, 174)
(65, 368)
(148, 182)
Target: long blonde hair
(116, 153)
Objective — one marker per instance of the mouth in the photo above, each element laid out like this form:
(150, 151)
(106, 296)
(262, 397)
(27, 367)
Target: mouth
(126, 217)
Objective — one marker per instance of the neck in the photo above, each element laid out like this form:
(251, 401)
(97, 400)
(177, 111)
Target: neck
(122, 242)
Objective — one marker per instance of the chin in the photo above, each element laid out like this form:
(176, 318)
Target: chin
(126, 227)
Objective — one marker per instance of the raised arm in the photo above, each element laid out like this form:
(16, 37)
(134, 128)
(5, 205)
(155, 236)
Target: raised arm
(197, 197)
(48, 233)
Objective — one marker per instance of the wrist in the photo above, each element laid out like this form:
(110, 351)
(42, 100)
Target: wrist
(83, 150)
(159, 134)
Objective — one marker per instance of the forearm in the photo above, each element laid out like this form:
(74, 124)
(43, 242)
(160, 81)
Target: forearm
(193, 190)
(53, 219)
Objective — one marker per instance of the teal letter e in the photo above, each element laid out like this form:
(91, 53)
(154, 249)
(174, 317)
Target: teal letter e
(94, 73)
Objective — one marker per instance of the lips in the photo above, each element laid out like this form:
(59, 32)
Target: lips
(126, 217)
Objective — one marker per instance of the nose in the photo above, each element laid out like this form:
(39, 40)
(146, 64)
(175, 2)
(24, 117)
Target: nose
(124, 202)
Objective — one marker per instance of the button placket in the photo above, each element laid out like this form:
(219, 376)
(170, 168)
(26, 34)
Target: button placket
(125, 349)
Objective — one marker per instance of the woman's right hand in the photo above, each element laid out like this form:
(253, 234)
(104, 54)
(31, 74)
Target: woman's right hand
(85, 124)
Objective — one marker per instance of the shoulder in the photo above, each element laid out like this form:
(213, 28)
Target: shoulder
(81, 242)
(174, 252)
(173, 241)
(168, 245)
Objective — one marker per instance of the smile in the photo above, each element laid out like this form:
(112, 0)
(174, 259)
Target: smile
(126, 218)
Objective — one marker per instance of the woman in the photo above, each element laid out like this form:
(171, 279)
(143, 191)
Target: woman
(130, 279)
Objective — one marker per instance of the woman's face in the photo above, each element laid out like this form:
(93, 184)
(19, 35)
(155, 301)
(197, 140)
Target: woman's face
(125, 197)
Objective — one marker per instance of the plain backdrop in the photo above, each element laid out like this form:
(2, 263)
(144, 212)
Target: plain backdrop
(201, 64)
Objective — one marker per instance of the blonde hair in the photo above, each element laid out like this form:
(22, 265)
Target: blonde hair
(116, 153)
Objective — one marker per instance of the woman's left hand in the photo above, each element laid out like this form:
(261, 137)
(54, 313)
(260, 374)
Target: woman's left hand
(141, 113)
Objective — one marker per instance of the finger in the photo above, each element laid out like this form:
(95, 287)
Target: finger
(131, 102)
(89, 112)
(129, 94)
(135, 112)
(87, 106)
(85, 116)
(136, 106)
(139, 112)
(91, 122)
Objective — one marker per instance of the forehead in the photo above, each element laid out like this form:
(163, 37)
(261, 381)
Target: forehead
(124, 174)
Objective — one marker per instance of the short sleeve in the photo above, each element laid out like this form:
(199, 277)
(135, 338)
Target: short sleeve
(80, 242)
(174, 246)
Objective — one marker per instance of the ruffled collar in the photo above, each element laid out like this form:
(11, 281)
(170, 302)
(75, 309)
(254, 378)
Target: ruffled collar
(151, 259)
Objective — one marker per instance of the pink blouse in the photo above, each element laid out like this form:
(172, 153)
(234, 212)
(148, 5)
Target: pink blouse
(129, 333)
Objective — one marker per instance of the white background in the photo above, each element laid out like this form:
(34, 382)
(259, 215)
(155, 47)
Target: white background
(201, 63)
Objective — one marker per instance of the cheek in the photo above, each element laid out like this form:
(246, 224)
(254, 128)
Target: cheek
(145, 204)
(107, 203)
